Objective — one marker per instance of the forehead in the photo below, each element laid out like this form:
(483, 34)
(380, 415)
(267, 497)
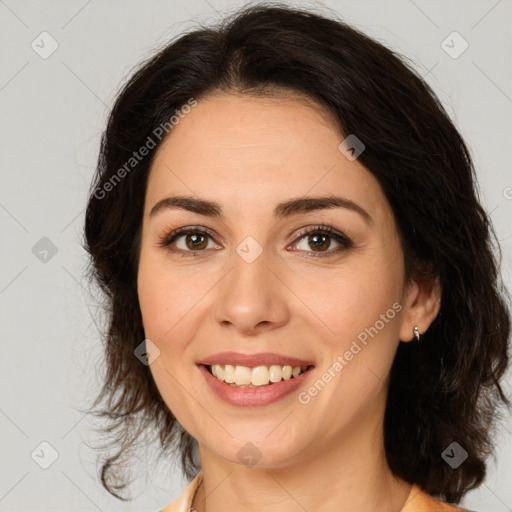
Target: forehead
(247, 152)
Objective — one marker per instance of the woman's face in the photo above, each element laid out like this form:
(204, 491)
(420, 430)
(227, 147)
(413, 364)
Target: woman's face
(249, 278)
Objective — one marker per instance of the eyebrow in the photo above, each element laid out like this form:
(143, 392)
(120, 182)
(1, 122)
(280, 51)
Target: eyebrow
(285, 209)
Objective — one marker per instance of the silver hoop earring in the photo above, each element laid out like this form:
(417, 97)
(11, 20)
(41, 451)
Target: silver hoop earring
(416, 333)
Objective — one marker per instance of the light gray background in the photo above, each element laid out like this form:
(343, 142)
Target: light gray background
(53, 111)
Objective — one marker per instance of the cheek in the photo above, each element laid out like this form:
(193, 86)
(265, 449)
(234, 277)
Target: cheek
(165, 296)
(164, 304)
(172, 304)
(154, 301)
(361, 312)
(356, 298)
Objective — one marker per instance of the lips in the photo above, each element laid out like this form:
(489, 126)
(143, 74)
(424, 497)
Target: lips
(256, 396)
(253, 360)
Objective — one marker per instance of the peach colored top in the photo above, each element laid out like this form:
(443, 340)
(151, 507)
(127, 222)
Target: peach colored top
(418, 500)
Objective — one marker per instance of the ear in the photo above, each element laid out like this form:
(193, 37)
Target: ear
(421, 305)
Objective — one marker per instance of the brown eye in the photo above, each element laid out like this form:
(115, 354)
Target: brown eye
(196, 241)
(188, 240)
(319, 240)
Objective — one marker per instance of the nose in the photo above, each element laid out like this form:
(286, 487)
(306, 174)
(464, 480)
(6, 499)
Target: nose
(252, 297)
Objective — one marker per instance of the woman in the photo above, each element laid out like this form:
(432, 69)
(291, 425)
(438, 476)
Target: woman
(299, 274)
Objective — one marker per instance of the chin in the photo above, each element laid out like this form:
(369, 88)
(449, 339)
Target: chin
(258, 450)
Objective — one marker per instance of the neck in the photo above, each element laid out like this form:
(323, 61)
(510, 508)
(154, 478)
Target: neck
(347, 475)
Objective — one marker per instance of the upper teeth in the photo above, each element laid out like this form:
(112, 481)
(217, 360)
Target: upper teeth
(257, 376)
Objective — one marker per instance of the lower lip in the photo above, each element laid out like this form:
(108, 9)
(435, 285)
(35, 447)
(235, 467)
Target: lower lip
(253, 397)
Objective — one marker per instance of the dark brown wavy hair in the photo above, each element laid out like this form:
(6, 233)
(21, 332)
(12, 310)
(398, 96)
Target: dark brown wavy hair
(444, 389)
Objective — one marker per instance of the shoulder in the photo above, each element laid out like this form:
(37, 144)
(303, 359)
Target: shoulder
(184, 502)
(420, 501)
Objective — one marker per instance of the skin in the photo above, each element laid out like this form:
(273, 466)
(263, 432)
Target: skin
(248, 154)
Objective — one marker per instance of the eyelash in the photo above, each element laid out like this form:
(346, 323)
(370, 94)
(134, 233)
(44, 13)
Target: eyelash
(343, 240)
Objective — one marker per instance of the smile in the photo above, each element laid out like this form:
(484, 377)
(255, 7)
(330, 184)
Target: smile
(250, 395)
(247, 377)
